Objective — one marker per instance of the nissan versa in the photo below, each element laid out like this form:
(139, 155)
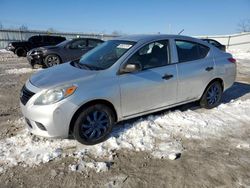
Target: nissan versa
(121, 79)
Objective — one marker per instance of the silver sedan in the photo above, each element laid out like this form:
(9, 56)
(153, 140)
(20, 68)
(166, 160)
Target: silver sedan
(121, 79)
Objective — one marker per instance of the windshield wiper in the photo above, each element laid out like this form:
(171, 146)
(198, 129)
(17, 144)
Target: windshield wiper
(90, 67)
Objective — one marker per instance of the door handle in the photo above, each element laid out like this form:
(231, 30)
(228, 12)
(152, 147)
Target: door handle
(209, 68)
(167, 76)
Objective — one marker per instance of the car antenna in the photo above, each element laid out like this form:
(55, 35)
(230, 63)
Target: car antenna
(180, 31)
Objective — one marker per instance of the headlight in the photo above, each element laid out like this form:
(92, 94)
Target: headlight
(38, 52)
(54, 95)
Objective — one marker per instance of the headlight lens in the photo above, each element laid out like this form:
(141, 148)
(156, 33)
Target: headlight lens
(55, 95)
(38, 52)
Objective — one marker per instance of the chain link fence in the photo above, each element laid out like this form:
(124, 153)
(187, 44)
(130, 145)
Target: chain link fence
(9, 35)
(239, 41)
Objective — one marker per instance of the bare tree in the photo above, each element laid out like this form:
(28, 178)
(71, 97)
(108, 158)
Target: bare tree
(23, 28)
(244, 25)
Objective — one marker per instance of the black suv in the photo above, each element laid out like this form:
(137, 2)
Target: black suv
(21, 48)
(68, 50)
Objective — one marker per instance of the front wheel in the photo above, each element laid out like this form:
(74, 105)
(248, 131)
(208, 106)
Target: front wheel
(52, 60)
(94, 124)
(212, 95)
(21, 52)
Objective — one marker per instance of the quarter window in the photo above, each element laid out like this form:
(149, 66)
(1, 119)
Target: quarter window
(152, 55)
(190, 51)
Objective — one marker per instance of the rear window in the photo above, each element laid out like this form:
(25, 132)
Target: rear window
(35, 39)
(190, 51)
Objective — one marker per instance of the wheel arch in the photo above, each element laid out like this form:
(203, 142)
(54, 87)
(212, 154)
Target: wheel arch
(213, 80)
(90, 103)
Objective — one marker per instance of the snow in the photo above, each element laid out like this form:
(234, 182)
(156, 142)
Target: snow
(4, 51)
(243, 146)
(85, 166)
(240, 54)
(159, 135)
(20, 71)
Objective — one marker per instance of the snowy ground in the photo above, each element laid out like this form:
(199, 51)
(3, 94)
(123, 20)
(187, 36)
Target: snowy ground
(161, 136)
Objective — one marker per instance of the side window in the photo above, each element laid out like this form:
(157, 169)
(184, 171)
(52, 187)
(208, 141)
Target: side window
(190, 51)
(152, 55)
(78, 44)
(58, 39)
(36, 39)
(94, 43)
(48, 39)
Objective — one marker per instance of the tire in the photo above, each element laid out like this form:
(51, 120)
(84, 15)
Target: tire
(52, 60)
(21, 52)
(212, 95)
(94, 124)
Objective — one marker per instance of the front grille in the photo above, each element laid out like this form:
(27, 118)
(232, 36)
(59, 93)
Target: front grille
(25, 95)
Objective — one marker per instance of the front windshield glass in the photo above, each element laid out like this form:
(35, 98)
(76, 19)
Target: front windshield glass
(106, 54)
(63, 43)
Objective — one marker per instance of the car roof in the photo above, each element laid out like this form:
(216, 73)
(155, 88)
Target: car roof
(149, 37)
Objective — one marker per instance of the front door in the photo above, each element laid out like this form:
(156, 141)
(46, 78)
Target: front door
(153, 87)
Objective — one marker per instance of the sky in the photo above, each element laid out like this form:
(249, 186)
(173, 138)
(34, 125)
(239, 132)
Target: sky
(196, 17)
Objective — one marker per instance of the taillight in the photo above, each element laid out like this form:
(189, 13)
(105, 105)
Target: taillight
(232, 60)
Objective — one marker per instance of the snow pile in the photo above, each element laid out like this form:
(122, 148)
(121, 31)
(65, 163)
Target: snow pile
(243, 146)
(240, 54)
(20, 71)
(7, 55)
(86, 166)
(159, 135)
(4, 51)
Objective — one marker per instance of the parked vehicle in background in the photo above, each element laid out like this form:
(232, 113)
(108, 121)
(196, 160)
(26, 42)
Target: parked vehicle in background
(216, 44)
(124, 78)
(21, 48)
(68, 50)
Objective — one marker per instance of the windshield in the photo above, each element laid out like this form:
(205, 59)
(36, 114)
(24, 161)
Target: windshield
(63, 43)
(106, 54)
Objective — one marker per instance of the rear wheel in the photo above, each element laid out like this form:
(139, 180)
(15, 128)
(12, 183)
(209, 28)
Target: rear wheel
(212, 95)
(21, 52)
(94, 124)
(52, 60)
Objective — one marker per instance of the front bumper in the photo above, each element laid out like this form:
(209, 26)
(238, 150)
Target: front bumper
(10, 48)
(48, 120)
(35, 59)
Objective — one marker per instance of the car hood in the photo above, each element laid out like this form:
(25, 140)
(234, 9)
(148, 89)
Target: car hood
(44, 48)
(60, 75)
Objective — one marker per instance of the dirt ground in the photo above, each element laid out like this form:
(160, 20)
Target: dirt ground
(203, 163)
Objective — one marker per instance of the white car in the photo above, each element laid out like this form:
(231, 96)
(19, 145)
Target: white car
(121, 79)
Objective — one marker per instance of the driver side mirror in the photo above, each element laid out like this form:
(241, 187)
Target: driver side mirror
(132, 67)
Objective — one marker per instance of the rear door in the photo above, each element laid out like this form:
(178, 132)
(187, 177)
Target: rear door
(154, 86)
(195, 69)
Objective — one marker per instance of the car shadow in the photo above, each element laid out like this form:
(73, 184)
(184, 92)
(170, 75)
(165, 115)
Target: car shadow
(238, 90)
